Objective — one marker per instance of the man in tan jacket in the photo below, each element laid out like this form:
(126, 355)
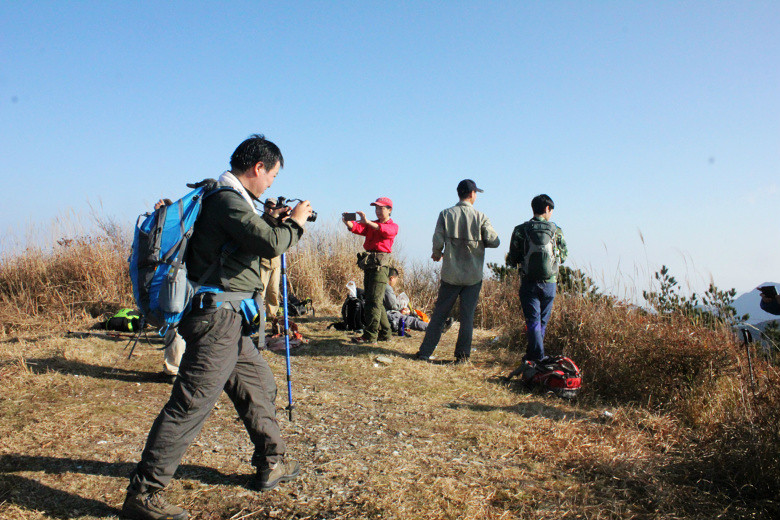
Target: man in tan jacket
(461, 236)
(271, 268)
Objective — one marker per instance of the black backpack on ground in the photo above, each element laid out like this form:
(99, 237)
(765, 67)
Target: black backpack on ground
(296, 307)
(353, 311)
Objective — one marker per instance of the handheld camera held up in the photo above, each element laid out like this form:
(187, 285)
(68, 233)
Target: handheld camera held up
(285, 204)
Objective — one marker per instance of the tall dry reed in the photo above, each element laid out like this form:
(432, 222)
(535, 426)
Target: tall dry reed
(75, 280)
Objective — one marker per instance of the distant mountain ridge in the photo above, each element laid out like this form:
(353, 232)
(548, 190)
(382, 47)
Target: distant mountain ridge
(748, 303)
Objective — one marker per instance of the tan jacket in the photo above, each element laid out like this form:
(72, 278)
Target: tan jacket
(268, 264)
(271, 263)
(461, 236)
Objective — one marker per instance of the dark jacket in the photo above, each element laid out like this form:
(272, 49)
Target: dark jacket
(226, 217)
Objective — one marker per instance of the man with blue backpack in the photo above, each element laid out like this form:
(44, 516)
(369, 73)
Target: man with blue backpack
(231, 235)
(537, 247)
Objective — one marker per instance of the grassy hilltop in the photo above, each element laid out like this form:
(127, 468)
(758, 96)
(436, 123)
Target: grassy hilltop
(668, 424)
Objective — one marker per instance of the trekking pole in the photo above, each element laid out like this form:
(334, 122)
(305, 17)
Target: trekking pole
(748, 337)
(286, 337)
(134, 339)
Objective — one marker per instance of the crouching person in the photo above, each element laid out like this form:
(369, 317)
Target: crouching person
(220, 354)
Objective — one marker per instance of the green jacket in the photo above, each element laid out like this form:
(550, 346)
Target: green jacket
(227, 217)
(517, 248)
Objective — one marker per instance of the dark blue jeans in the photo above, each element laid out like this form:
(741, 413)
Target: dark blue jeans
(469, 295)
(536, 300)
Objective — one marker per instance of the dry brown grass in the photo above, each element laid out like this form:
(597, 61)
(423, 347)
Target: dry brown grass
(688, 437)
(74, 281)
(398, 441)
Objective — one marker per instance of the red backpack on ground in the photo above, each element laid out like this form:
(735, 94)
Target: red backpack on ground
(557, 374)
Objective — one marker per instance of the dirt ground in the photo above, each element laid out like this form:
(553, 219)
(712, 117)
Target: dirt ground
(376, 439)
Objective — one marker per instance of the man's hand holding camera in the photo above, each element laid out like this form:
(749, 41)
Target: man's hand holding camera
(301, 213)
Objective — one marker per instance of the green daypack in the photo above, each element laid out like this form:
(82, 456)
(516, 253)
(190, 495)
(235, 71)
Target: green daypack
(126, 320)
(541, 257)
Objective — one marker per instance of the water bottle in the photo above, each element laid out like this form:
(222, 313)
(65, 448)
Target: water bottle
(402, 327)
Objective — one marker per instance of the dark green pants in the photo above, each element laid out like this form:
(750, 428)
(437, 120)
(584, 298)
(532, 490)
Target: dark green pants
(218, 357)
(377, 324)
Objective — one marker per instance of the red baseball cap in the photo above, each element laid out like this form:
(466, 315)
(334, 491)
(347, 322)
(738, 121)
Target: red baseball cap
(383, 201)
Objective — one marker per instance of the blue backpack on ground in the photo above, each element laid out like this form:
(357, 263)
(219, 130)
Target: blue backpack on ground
(161, 288)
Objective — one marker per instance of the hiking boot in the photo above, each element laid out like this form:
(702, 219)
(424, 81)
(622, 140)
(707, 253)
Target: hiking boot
(269, 477)
(461, 360)
(151, 506)
(362, 340)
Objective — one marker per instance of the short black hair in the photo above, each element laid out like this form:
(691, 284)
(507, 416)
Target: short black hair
(392, 272)
(540, 202)
(256, 148)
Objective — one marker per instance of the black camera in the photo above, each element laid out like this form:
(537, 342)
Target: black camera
(282, 203)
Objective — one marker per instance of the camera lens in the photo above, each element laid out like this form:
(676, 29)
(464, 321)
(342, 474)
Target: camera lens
(312, 217)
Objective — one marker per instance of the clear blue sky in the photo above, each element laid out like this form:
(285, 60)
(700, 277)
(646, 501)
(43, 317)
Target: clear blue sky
(654, 117)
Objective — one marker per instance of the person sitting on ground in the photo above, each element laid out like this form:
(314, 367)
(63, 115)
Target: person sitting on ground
(398, 310)
(539, 270)
(380, 235)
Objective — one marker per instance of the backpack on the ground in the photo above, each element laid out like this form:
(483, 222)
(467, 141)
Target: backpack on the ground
(558, 374)
(157, 270)
(300, 307)
(126, 320)
(353, 311)
(296, 306)
(541, 260)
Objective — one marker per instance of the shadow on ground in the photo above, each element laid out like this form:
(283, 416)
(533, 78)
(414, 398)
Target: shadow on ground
(341, 347)
(71, 367)
(30, 494)
(528, 410)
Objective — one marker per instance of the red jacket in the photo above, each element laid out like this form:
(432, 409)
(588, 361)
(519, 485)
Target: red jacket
(377, 239)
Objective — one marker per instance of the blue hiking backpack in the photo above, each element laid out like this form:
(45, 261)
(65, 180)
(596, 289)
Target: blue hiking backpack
(161, 288)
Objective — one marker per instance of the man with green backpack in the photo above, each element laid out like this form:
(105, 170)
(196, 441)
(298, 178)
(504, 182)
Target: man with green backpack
(537, 247)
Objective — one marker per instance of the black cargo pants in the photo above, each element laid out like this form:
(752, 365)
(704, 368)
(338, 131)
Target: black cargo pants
(218, 357)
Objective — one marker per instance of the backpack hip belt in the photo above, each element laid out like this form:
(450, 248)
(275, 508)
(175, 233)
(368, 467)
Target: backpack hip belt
(248, 304)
